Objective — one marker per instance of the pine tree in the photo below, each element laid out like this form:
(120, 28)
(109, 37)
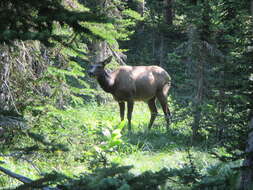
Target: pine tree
(35, 20)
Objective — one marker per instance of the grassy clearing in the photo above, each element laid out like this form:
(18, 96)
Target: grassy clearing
(84, 128)
(156, 149)
(143, 161)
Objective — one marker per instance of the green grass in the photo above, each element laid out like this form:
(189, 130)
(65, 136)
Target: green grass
(155, 149)
(84, 128)
(143, 161)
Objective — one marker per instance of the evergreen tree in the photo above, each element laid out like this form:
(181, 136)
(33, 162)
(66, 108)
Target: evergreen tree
(35, 20)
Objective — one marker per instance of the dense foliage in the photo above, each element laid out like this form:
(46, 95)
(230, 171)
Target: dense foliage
(35, 20)
(56, 120)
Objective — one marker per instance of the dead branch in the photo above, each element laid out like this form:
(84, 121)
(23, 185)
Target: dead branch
(16, 176)
(119, 56)
(27, 181)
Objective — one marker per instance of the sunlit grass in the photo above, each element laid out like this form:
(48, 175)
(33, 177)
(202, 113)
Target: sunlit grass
(154, 150)
(143, 161)
(144, 150)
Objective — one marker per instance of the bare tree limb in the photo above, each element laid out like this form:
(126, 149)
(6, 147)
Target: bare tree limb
(16, 176)
(27, 181)
(119, 57)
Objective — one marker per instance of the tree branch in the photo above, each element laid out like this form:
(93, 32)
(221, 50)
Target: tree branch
(118, 56)
(16, 176)
(27, 181)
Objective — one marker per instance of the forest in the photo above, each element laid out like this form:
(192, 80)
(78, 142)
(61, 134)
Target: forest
(61, 130)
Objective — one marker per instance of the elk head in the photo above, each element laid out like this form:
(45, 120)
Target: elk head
(98, 69)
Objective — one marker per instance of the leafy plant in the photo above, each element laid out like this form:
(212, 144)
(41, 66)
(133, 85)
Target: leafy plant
(110, 142)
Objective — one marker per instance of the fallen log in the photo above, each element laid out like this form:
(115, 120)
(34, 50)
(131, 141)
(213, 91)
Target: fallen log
(27, 181)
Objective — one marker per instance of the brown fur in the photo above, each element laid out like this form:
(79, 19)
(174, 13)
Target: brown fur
(137, 83)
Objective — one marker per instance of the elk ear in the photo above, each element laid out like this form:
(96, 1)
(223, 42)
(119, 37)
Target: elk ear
(108, 60)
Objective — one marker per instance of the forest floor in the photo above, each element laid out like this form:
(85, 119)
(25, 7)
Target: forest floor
(143, 150)
(159, 148)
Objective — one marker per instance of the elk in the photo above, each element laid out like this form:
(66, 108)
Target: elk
(134, 83)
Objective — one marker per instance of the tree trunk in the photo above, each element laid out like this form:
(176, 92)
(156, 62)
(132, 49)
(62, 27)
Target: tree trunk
(221, 108)
(247, 173)
(194, 2)
(206, 22)
(251, 7)
(141, 7)
(168, 14)
(98, 50)
(161, 51)
(196, 121)
(5, 100)
(168, 21)
(198, 100)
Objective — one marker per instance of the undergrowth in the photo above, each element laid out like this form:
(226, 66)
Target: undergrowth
(83, 139)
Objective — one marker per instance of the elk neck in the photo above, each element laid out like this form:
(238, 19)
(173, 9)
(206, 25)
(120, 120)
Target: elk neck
(106, 82)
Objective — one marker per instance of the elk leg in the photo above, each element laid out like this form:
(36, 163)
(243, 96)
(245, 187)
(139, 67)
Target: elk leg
(153, 112)
(163, 101)
(130, 106)
(122, 110)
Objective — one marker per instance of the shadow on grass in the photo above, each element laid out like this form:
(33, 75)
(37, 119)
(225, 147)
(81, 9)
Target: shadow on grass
(159, 139)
